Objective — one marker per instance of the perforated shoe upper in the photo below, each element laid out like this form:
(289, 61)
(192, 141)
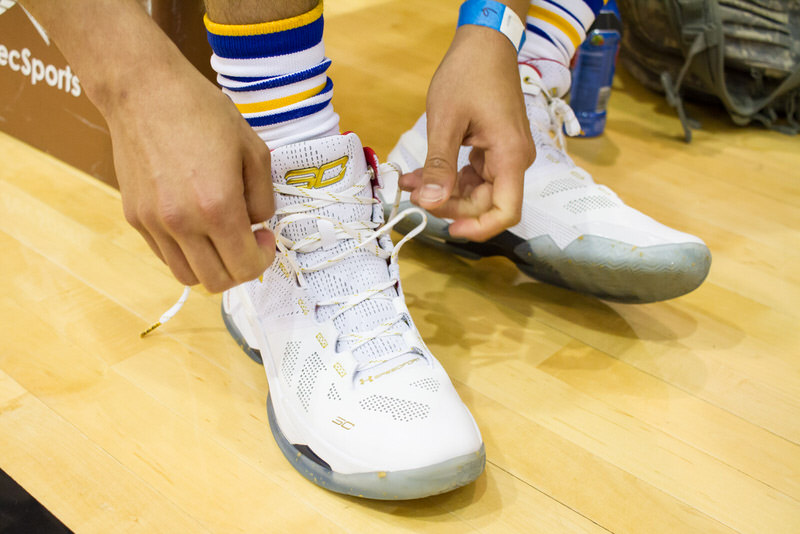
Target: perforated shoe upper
(349, 375)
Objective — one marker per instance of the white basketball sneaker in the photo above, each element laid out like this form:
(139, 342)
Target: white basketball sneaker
(573, 233)
(357, 402)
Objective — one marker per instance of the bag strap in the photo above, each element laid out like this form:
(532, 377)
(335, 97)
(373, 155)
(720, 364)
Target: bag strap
(703, 45)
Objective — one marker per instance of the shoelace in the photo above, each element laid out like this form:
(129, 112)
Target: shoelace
(561, 115)
(366, 234)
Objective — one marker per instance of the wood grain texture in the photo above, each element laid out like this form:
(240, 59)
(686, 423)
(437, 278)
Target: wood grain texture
(675, 417)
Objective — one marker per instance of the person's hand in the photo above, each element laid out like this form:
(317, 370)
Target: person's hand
(192, 173)
(475, 99)
(193, 177)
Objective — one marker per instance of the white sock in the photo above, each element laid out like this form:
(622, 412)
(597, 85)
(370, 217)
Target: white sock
(275, 73)
(556, 28)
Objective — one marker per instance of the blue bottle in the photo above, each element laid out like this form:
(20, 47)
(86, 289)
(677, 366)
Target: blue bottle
(593, 70)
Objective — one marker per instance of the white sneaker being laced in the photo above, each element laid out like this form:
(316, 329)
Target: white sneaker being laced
(357, 402)
(573, 232)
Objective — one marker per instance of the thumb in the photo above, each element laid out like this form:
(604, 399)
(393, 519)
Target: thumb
(439, 172)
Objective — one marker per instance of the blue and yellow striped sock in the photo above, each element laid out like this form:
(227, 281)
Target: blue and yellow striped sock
(276, 74)
(556, 28)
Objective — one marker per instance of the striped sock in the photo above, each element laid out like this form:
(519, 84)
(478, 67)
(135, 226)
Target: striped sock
(275, 73)
(556, 28)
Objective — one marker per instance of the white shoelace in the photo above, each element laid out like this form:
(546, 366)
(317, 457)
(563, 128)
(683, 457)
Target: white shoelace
(562, 118)
(561, 115)
(365, 233)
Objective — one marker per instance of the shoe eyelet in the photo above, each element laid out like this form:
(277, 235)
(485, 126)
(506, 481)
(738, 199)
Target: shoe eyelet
(527, 79)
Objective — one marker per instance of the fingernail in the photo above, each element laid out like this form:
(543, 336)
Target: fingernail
(431, 193)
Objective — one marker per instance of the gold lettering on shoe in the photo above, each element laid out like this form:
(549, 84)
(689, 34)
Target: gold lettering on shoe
(318, 177)
(371, 378)
(344, 423)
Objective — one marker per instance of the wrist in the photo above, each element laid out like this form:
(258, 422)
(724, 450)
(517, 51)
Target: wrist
(482, 43)
(475, 49)
(137, 83)
(107, 72)
(520, 7)
(496, 16)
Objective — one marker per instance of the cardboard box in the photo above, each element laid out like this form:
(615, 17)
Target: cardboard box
(42, 101)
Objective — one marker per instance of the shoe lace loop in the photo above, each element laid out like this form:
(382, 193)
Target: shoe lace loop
(366, 234)
(562, 117)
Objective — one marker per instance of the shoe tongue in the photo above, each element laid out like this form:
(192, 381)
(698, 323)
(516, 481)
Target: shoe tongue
(537, 77)
(331, 164)
(335, 164)
(555, 77)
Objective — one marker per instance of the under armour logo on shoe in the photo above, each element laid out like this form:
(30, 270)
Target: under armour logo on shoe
(318, 177)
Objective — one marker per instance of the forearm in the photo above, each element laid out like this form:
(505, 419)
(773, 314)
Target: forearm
(112, 44)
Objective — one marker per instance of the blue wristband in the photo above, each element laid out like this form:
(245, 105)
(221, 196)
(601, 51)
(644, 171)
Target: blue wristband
(493, 15)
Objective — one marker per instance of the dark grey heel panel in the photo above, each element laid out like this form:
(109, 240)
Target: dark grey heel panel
(382, 485)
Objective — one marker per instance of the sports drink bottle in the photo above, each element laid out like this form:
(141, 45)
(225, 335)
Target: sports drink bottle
(593, 70)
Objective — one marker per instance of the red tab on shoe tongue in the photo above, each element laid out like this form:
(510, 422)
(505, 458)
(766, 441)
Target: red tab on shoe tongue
(373, 162)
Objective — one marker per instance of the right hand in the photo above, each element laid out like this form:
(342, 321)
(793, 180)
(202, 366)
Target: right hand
(486, 113)
(193, 176)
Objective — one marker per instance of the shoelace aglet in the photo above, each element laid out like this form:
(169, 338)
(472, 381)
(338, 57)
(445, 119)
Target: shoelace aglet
(150, 328)
(170, 313)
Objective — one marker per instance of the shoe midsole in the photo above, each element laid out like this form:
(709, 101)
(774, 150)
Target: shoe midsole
(383, 485)
(389, 485)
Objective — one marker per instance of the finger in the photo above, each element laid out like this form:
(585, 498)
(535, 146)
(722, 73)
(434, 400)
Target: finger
(238, 247)
(257, 175)
(472, 175)
(153, 246)
(469, 179)
(245, 257)
(439, 171)
(266, 241)
(505, 168)
(206, 263)
(260, 201)
(477, 158)
(411, 181)
(501, 216)
(483, 227)
(174, 258)
(136, 221)
(471, 198)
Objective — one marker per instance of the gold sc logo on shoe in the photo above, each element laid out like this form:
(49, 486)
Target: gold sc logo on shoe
(344, 423)
(318, 177)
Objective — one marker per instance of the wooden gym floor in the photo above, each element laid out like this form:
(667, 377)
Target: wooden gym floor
(681, 416)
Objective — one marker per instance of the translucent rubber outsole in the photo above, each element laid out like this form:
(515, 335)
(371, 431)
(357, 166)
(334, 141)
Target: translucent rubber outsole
(593, 265)
(382, 485)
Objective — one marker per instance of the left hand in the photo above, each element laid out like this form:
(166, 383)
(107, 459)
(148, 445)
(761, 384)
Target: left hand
(475, 99)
